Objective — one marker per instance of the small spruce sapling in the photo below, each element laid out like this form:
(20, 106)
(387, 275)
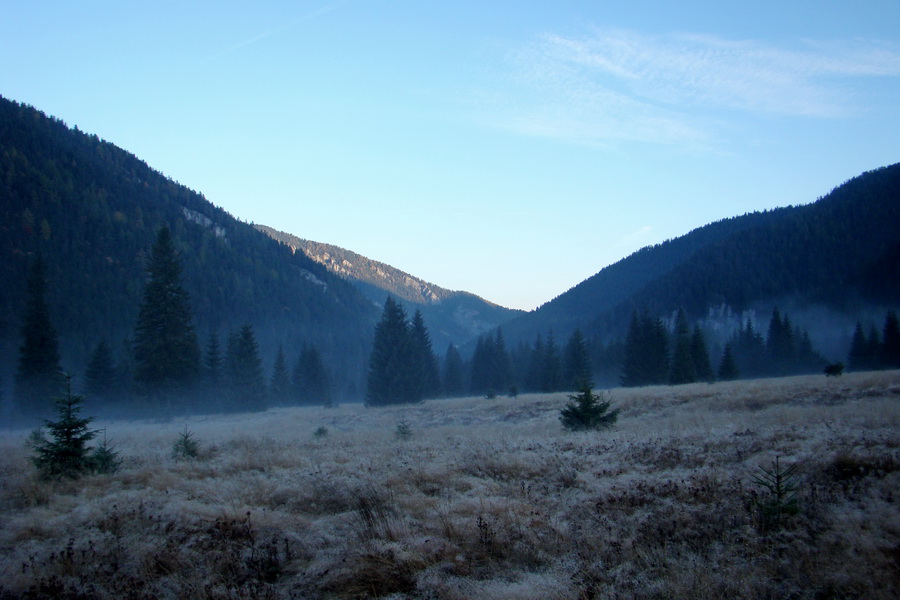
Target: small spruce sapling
(66, 454)
(587, 410)
(780, 501)
(403, 430)
(185, 447)
(104, 459)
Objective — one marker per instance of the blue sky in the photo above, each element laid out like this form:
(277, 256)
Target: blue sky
(510, 149)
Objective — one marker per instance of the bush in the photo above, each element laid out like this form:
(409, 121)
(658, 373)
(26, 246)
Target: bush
(586, 411)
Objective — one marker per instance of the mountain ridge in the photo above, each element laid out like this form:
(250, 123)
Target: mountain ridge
(452, 316)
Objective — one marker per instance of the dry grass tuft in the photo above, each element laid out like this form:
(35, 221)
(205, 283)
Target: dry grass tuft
(488, 499)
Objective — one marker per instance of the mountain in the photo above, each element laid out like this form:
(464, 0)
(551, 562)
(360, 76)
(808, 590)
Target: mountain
(93, 210)
(452, 317)
(837, 256)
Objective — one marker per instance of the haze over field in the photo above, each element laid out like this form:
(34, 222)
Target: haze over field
(482, 499)
(468, 143)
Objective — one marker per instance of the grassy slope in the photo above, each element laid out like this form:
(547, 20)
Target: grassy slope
(487, 499)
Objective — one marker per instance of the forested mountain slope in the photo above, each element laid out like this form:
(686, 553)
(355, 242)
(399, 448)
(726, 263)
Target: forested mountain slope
(451, 316)
(839, 252)
(93, 210)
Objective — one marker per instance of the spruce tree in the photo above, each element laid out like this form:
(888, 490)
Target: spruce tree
(501, 367)
(66, 454)
(890, 342)
(587, 410)
(453, 375)
(728, 369)
(633, 367)
(858, 358)
(481, 378)
(244, 372)
(534, 379)
(389, 380)
(212, 363)
(551, 370)
(280, 385)
(39, 375)
(100, 375)
(683, 369)
(577, 363)
(700, 356)
(310, 383)
(166, 352)
(424, 368)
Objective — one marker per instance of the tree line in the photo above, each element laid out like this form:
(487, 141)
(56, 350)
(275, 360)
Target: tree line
(163, 368)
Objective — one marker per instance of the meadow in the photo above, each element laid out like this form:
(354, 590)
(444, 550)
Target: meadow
(474, 498)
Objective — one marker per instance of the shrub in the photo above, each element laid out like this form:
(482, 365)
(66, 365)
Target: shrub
(834, 369)
(587, 410)
(320, 432)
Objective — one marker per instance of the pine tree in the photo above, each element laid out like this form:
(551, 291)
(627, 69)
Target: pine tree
(100, 375)
(280, 385)
(166, 352)
(577, 363)
(39, 375)
(244, 372)
(453, 375)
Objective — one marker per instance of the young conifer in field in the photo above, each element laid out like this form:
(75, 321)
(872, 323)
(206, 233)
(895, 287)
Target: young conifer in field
(66, 454)
(587, 410)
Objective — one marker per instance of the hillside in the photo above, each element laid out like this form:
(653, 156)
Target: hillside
(484, 499)
(451, 316)
(836, 254)
(92, 210)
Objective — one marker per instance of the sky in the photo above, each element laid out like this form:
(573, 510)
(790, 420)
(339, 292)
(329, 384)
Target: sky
(510, 149)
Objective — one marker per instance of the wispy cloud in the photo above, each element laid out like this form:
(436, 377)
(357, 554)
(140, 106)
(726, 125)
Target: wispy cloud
(283, 27)
(623, 85)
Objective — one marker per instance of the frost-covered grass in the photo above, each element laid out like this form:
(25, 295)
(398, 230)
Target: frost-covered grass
(484, 499)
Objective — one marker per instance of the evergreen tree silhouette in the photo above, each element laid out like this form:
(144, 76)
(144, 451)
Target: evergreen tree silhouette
(39, 376)
(166, 352)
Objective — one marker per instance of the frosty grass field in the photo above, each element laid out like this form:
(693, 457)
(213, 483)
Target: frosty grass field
(483, 499)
